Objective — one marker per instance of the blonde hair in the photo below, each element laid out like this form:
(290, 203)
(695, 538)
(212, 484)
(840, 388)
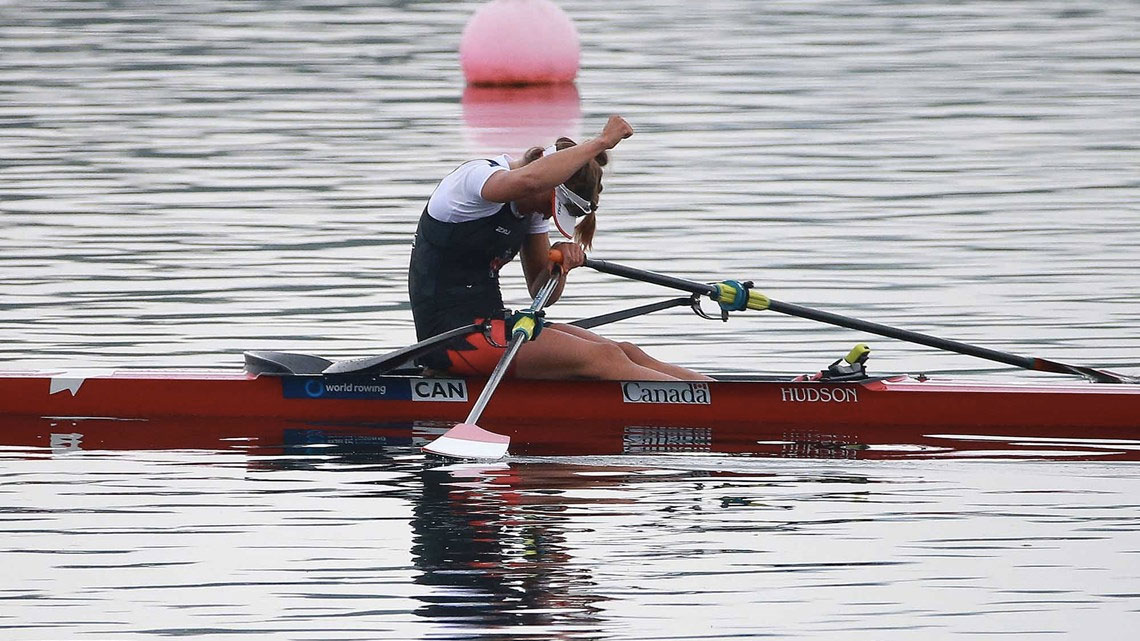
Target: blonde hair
(586, 182)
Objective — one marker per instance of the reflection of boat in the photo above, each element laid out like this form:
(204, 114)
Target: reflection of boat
(258, 436)
(762, 415)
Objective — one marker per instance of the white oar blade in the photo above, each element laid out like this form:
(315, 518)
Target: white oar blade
(469, 441)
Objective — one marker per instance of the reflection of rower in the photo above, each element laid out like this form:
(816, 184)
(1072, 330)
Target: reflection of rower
(493, 561)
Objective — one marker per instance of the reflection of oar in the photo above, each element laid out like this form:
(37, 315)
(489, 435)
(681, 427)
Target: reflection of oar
(736, 296)
(469, 441)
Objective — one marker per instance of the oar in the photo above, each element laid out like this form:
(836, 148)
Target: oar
(469, 441)
(633, 312)
(387, 362)
(729, 293)
(305, 365)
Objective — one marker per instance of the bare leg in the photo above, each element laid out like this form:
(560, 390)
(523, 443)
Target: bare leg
(635, 354)
(556, 354)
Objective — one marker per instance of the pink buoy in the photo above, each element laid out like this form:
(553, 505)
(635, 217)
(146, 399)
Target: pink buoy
(519, 42)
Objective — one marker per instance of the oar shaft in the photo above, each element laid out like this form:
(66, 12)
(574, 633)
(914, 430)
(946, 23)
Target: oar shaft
(790, 309)
(625, 314)
(758, 301)
(387, 362)
(493, 380)
(685, 285)
(901, 334)
(517, 339)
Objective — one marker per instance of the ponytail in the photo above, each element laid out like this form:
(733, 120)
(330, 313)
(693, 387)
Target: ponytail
(584, 230)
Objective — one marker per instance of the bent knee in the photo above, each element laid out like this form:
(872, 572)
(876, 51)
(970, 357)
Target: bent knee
(629, 349)
(599, 359)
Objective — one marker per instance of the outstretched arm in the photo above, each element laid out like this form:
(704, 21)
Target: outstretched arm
(555, 169)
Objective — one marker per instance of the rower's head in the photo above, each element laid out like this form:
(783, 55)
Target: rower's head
(584, 187)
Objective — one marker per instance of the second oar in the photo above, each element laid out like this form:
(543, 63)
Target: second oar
(739, 297)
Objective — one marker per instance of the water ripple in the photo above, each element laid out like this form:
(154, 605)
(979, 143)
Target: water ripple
(183, 181)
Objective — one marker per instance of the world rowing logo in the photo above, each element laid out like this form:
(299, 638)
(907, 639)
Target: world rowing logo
(358, 388)
(315, 388)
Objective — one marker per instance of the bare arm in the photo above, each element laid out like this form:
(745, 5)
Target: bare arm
(536, 266)
(536, 263)
(555, 169)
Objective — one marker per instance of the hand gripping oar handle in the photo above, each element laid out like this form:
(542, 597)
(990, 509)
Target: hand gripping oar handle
(725, 293)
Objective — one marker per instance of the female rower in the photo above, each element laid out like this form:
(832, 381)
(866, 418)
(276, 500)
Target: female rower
(483, 214)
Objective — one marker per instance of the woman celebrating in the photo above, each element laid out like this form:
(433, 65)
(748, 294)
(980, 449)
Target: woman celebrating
(483, 214)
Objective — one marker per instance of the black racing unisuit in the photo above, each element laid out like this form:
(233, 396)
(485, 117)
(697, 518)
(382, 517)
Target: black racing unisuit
(453, 277)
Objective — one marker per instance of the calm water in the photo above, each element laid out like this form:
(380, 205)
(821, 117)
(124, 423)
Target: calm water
(332, 544)
(183, 181)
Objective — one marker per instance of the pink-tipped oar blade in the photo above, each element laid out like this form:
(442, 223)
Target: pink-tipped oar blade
(469, 441)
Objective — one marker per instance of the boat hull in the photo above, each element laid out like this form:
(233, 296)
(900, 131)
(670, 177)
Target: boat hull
(1082, 409)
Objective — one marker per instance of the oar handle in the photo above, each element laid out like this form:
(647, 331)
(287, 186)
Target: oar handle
(683, 284)
(692, 287)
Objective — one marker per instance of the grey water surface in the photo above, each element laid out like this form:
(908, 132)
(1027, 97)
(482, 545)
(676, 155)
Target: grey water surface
(181, 181)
